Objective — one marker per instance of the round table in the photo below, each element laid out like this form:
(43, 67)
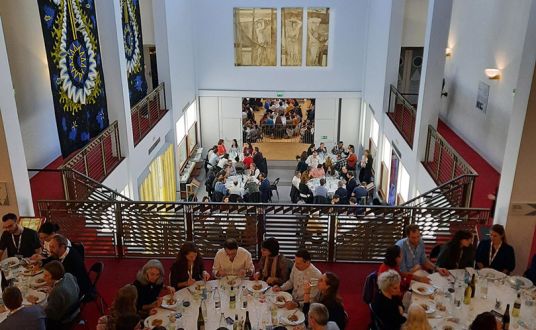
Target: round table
(498, 290)
(259, 306)
(332, 183)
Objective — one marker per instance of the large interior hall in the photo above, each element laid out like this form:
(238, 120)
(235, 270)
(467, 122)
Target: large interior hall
(283, 164)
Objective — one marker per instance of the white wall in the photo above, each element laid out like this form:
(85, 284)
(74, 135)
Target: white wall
(31, 80)
(415, 13)
(214, 38)
(350, 121)
(497, 31)
(147, 25)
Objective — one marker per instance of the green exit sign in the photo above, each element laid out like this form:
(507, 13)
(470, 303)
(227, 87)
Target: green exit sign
(279, 94)
(324, 137)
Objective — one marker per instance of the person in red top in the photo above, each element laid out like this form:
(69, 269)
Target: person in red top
(351, 161)
(221, 148)
(247, 160)
(392, 260)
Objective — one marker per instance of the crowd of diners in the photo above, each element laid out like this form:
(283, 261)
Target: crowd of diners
(282, 118)
(407, 256)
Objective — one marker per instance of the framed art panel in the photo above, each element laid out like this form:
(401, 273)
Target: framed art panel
(255, 36)
(291, 36)
(317, 36)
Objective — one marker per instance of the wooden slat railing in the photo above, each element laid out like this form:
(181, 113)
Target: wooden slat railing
(457, 192)
(148, 112)
(403, 114)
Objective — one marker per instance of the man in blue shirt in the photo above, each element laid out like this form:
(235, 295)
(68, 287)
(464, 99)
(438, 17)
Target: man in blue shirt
(413, 254)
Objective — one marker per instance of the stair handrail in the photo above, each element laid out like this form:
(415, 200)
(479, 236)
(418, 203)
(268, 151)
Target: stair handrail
(406, 102)
(94, 184)
(440, 189)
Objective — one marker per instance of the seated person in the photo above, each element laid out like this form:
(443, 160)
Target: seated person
(486, 321)
(321, 190)
(318, 318)
(413, 254)
(305, 192)
(124, 303)
(329, 168)
(46, 232)
(335, 199)
(248, 160)
(232, 260)
(62, 302)
(251, 187)
(495, 252)
(458, 253)
(150, 283)
(417, 319)
(341, 192)
(220, 186)
(253, 172)
(360, 192)
(235, 189)
(392, 260)
(387, 304)
(317, 172)
(328, 295)
(530, 273)
(273, 267)
(322, 148)
(302, 271)
(188, 267)
(338, 149)
(313, 160)
(21, 317)
(18, 240)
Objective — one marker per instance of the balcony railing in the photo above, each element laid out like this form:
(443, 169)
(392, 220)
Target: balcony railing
(99, 157)
(148, 112)
(280, 132)
(457, 192)
(403, 114)
(331, 233)
(443, 162)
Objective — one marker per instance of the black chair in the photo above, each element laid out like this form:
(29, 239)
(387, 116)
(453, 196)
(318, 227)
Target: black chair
(234, 198)
(217, 196)
(254, 197)
(94, 273)
(273, 187)
(79, 247)
(320, 200)
(370, 289)
(435, 251)
(376, 323)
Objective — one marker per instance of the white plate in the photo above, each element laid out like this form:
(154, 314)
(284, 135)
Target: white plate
(286, 313)
(28, 272)
(428, 306)
(422, 289)
(165, 303)
(36, 281)
(286, 295)
(491, 274)
(522, 282)
(253, 286)
(40, 297)
(157, 316)
(11, 262)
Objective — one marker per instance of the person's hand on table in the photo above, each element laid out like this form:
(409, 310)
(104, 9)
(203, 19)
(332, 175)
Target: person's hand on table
(242, 273)
(171, 290)
(423, 279)
(221, 273)
(271, 280)
(443, 271)
(256, 276)
(276, 288)
(291, 305)
(415, 268)
(153, 311)
(158, 302)
(206, 276)
(190, 281)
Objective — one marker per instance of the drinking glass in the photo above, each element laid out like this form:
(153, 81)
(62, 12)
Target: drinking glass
(484, 288)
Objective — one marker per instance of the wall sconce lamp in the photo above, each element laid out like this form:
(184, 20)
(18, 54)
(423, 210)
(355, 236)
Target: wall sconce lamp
(493, 73)
(448, 52)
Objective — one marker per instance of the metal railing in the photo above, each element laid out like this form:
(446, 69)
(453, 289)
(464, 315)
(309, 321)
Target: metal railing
(331, 233)
(457, 192)
(148, 112)
(403, 114)
(80, 187)
(442, 161)
(100, 156)
(278, 132)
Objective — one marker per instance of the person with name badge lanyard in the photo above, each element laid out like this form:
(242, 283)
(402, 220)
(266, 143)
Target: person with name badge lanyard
(495, 252)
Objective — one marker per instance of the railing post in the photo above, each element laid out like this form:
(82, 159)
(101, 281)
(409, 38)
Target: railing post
(65, 184)
(117, 141)
(85, 164)
(439, 159)
(261, 225)
(189, 216)
(331, 237)
(164, 94)
(119, 230)
(453, 173)
(103, 158)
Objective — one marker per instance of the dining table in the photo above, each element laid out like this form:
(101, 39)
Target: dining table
(443, 298)
(181, 310)
(332, 183)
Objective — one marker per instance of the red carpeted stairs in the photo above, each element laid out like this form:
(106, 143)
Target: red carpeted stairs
(352, 275)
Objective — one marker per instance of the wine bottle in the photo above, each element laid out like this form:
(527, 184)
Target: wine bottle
(467, 294)
(217, 299)
(200, 320)
(517, 306)
(232, 298)
(506, 318)
(473, 286)
(222, 323)
(247, 322)
(236, 325)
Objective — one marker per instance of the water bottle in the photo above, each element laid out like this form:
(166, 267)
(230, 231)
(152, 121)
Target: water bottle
(217, 299)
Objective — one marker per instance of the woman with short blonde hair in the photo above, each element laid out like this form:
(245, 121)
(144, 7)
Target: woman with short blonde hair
(417, 319)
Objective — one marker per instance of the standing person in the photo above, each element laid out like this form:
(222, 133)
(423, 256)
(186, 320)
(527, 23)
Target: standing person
(365, 174)
(318, 318)
(351, 160)
(124, 304)
(417, 319)
(248, 148)
(150, 283)
(221, 148)
(234, 150)
(21, 317)
(248, 160)
(232, 260)
(17, 240)
(258, 158)
(188, 267)
(495, 252)
(458, 253)
(264, 188)
(328, 295)
(350, 184)
(413, 254)
(62, 302)
(302, 271)
(387, 304)
(338, 149)
(302, 162)
(273, 266)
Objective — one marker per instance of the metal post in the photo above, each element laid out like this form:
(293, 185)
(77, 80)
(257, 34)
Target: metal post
(261, 226)
(85, 164)
(189, 216)
(439, 159)
(119, 230)
(331, 236)
(103, 158)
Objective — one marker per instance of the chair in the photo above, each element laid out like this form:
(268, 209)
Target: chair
(95, 272)
(435, 251)
(254, 197)
(320, 200)
(234, 198)
(376, 322)
(273, 187)
(217, 196)
(79, 247)
(370, 289)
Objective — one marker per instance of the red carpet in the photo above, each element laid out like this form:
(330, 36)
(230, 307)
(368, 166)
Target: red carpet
(120, 272)
(488, 178)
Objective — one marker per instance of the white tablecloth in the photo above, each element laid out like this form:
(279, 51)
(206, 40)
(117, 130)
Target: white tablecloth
(259, 309)
(241, 179)
(497, 290)
(331, 184)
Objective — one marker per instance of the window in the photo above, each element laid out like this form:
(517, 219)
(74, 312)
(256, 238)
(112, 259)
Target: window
(181, 129)
(374, 130)
(191, 115)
